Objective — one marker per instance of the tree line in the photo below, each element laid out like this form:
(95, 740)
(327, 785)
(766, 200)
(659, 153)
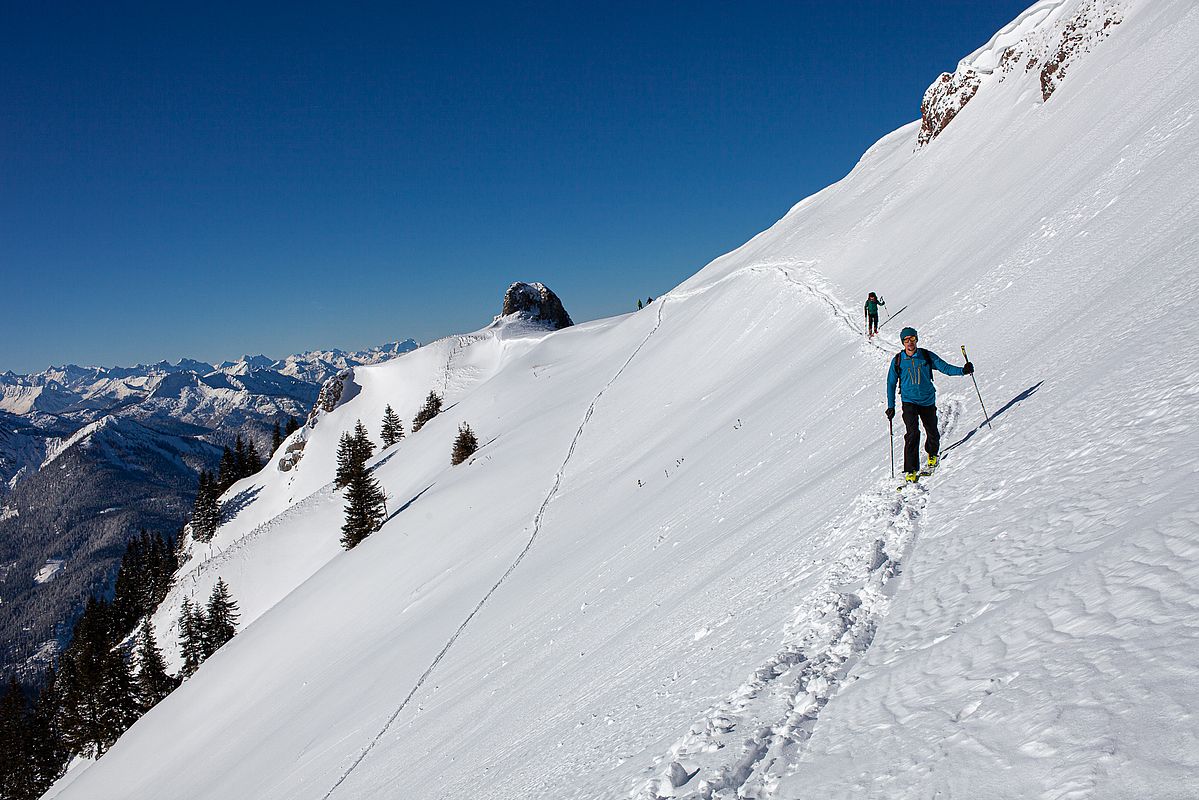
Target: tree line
(240, 461)
(113, 670)
(111, 673)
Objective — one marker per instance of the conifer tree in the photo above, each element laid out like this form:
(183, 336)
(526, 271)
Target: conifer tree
(276, 437)
(430, 409)
(241, 461)
(96, 698)
(143, 580)
(364, 508)
(353, 450)
(393, 429)
(153, 682)
(465, 445)
(50, 756)
(18, 769)
(128, 595)
(291, 427)
(220, 623)
(191, 638)
(364, 448)
(227, 471)
(345, 460)
(163, 562)
(253, 459)
(119, 697)
(206, 511)
(30, 758)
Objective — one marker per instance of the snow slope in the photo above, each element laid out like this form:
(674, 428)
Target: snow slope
(679, 567)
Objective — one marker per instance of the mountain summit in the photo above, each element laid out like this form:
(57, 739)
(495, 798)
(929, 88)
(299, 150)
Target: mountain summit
(535, 301)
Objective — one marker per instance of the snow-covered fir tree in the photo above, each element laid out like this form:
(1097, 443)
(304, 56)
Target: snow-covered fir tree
(17, 759)
(206, 510)
(465, 444)
(393, 429)
(253, 460)
(430, 409)
(364, 448)
(191, 638)
(153, 681)
(345, 460)
(365, 508)
(220, 622)
(97, 702)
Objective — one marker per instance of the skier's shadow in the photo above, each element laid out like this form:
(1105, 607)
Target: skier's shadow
(1027, 393)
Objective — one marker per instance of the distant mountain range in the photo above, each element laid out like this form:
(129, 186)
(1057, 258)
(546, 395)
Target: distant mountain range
(89, 456)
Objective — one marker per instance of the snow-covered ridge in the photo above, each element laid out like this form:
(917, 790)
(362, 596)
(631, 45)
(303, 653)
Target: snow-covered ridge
(115, 438)
(1045, 40)
(1033, 22)
(56, 447)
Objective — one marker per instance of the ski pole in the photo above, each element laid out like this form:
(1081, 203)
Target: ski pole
(893, 316)
(891, 429)
(986, 416)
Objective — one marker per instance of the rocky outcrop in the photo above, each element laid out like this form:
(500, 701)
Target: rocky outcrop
(536, 302)
(1090, 24)
(338, 388)
(943, 100)
(293, 452)
(1044, 41)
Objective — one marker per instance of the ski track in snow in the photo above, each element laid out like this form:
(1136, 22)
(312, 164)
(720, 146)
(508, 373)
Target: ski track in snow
(805, 277)
(743, 744)
(537, 521)
(763, 726)
(462, 343)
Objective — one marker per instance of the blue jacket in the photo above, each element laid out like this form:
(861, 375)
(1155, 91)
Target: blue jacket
(915, 377)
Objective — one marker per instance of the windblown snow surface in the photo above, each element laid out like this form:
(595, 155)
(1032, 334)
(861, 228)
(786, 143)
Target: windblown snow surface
(679, 567)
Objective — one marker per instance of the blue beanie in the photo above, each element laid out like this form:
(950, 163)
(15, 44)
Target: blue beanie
(906, 332)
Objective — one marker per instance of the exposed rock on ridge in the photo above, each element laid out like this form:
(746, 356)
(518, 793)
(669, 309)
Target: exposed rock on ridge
(1045, 40)
(944, 99)
(332, 393)
(535, 301)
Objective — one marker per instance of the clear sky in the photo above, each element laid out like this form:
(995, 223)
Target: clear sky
(206, 181)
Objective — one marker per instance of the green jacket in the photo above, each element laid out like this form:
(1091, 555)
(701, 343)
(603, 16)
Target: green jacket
(872, 306)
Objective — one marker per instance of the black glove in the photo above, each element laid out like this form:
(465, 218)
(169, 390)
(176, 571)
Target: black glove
(890, 412)
(968, 369)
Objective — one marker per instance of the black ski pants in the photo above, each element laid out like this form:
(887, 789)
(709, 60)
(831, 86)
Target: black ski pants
(913, 415)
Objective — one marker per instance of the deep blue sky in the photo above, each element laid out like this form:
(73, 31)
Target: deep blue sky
(204, 182)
